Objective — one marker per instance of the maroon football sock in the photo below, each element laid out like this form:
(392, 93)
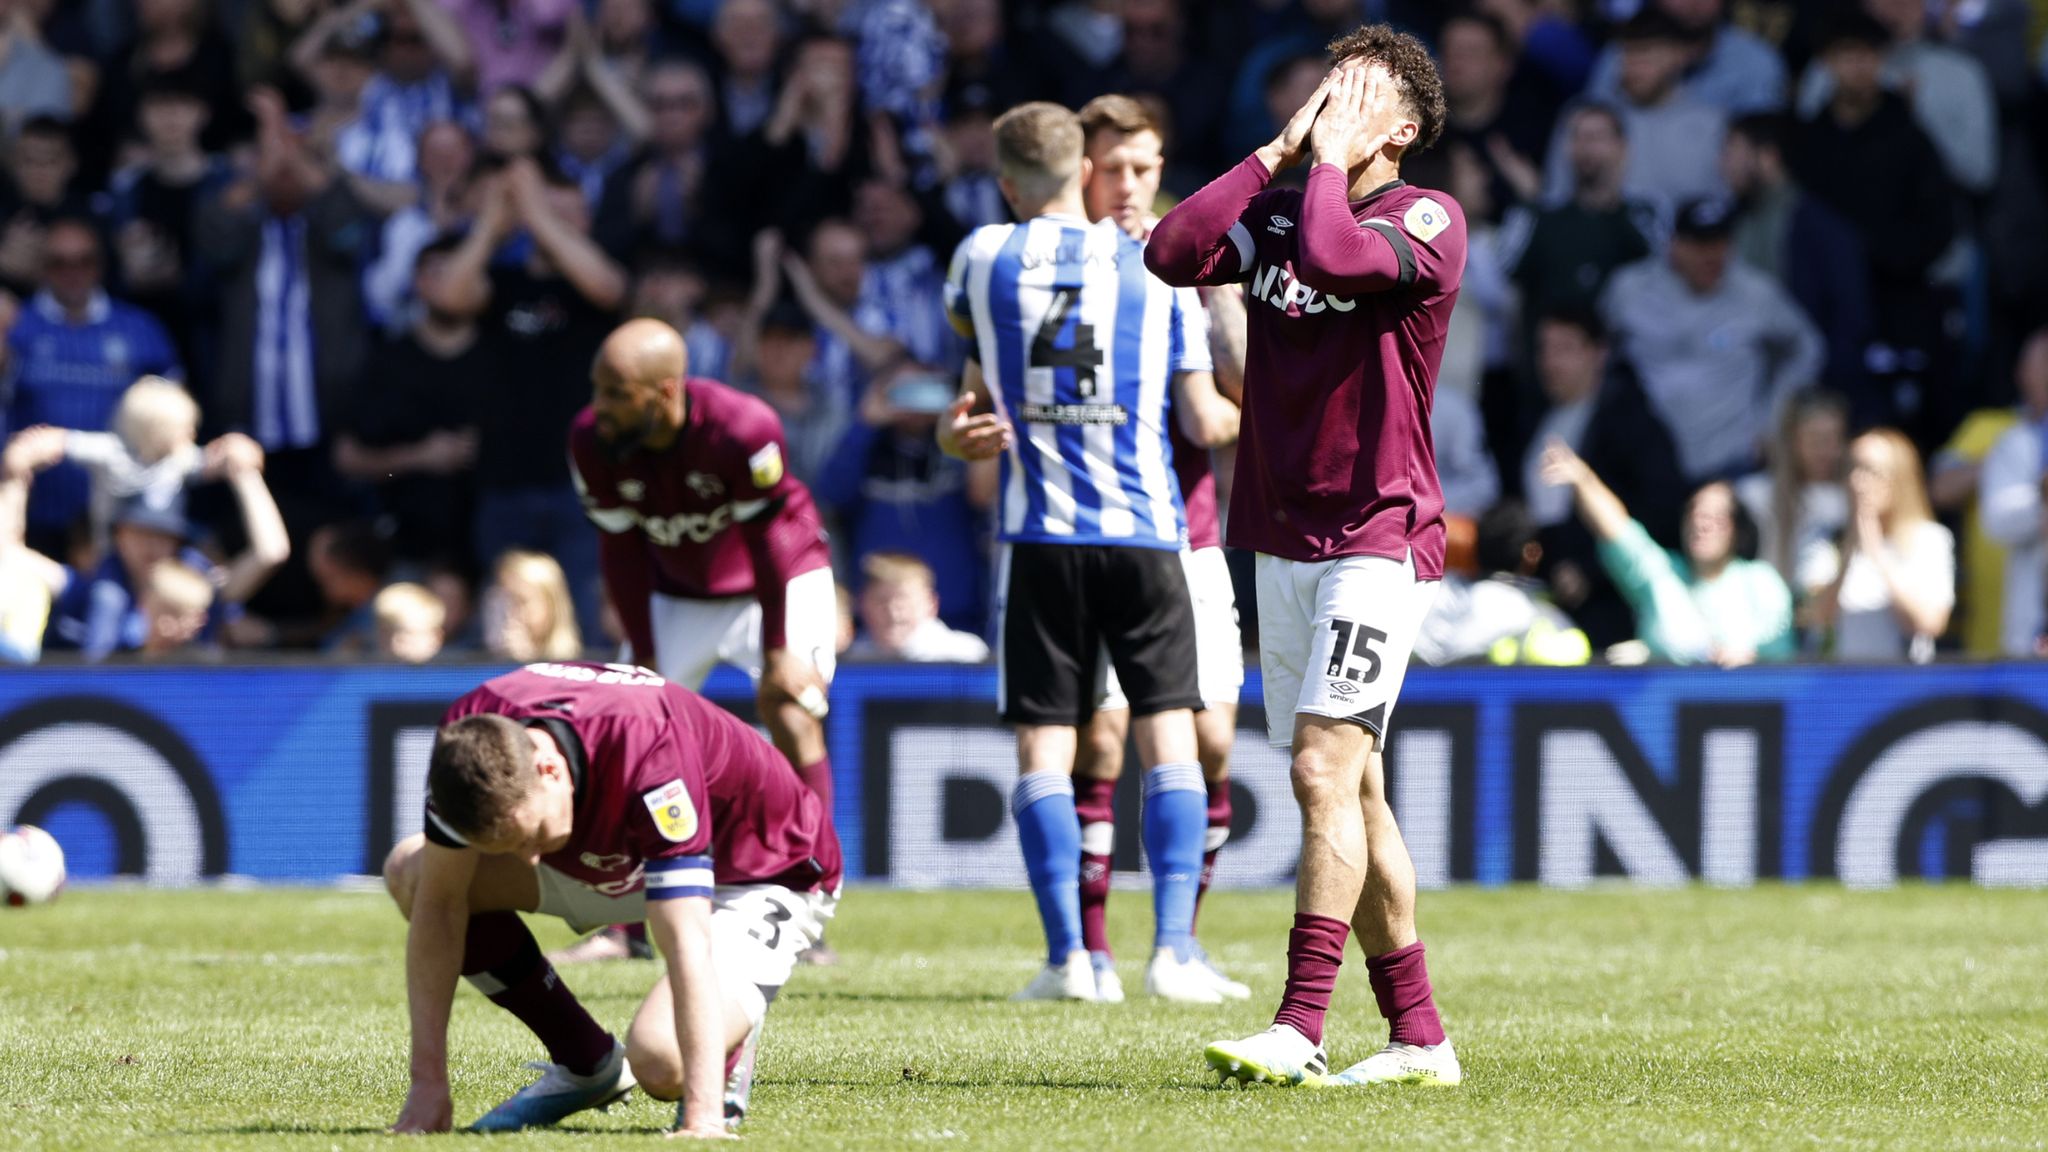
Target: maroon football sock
(1094, 803)
(500, 957)
(635, 931)
(1400, 982)
(1219, 833)
(1315, 950)
(818, 778)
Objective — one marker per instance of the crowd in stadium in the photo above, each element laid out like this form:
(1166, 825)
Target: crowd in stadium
(1751, 360)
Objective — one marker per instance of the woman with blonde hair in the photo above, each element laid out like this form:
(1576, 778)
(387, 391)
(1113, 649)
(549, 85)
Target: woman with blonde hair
(528, 612)
(1893, 593)
(1801, 504)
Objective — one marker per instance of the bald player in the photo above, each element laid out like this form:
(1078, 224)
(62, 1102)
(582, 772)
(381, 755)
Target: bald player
(711, 551)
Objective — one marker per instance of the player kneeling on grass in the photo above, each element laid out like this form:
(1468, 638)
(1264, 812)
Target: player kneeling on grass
(602, 794)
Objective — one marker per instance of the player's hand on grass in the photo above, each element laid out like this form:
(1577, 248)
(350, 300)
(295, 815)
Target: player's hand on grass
(1286, 149)
(428, 1108)
(971, 437)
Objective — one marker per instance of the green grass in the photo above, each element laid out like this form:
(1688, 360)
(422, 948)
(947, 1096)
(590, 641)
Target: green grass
(1775, 1018)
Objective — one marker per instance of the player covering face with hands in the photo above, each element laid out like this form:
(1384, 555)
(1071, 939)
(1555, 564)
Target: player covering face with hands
(604, 794)
(1349, 289)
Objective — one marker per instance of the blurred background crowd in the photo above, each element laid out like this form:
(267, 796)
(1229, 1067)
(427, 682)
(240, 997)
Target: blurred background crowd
(1751, 360)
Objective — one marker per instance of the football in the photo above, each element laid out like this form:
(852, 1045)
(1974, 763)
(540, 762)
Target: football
(31, 866)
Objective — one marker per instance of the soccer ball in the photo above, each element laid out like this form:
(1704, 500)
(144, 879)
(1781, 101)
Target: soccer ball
(31, 866)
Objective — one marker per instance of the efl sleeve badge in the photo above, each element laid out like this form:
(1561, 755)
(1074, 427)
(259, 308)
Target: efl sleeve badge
(674, 815)
(1425, 219)
(766, 465)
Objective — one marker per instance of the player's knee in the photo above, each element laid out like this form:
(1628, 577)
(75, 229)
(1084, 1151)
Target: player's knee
(402, 872)
(1318, 779)
(659, 1073)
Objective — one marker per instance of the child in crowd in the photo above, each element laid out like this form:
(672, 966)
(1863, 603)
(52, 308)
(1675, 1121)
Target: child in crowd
(410, 622)
(899, 607)
(528, 614)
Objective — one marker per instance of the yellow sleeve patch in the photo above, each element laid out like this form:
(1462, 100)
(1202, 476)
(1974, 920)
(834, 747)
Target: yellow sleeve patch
(766, 466)
(1425, 219)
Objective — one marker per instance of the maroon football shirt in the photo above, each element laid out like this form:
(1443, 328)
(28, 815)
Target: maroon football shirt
(716, 514)
(666, 781)
(1347, 305)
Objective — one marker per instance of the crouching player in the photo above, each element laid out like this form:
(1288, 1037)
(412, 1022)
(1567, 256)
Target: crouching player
(604, 794)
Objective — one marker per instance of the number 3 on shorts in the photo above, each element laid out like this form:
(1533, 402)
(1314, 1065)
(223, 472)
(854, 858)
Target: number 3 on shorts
(1359, 639)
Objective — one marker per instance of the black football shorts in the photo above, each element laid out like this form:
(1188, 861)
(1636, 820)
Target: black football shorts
(1062, 606)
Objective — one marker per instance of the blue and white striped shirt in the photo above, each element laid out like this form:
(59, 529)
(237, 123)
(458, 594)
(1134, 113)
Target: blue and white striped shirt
(1078, 344)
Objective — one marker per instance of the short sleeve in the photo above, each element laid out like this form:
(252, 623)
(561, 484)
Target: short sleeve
(93, 449)
(595, 484)
(959, 312)
(758, 440)
(1190, 343)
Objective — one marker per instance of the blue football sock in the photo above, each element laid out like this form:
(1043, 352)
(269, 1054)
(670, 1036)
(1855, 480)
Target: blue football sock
(1049, 833)
(1176, 825)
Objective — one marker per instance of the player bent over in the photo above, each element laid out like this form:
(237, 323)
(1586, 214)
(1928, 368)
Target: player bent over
(711, 551)
(1076, 347)
(1123, 145)
(602, 794)
(1350, 288)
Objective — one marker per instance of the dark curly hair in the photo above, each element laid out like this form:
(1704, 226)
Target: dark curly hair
(1405, 57)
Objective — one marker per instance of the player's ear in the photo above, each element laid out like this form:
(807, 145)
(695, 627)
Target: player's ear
(1404, 133)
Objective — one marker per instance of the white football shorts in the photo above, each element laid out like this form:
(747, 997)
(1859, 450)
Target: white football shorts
(1334, 638)
(693, 636)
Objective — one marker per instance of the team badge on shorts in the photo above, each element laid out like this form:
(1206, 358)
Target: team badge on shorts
(674, 815)
(766, 465)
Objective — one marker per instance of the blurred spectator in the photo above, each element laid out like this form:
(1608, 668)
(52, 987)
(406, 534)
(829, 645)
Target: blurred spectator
(176, 40)
(1157, 62)
(547, 315)
(42, 191)
(71, 352)
(409, 624)
(628, 38)
(1507, 137)
(349, 561)
(902, 284)
(420, 63)
(515, 126)
(528, 613)
(1801, 504)
(152, 452)
(151, 209)
(1288, 86)
(447, 162)
(512, 40)
(852, 332)
(378, 158)
(1480, 345)
(900, 55)
(33, 81)
(1862, 156)
(965, 156)
(1800, 242)
(1893, 596)
(1674, 140)
(1254, 114)
(899, 612)
(2011, 505)
(600, 120)
(1727, 67)
(979, 54)
(455, 591)
(1505, 616)
(413, 431)
(1718, 345)
(100, 613)
(815, 149)
(1707, 602)
(175, 602)
(747, 35)
(1950, 95)
(890, 489)
(783, 372)
(1470, 481)
(1595, 408)
(669, 286)
(666, 194)
(1554, 56)
(28, 579)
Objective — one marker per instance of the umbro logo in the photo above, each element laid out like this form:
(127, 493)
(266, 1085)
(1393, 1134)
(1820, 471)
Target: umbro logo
(1279, 225)
(1343, 687)
(704, 484)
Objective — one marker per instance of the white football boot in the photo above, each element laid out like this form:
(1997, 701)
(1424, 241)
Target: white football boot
(559, 1094)
(1073, 980)
(1187, 981)
(1109, 987)
(1279, 1055)
(1435, 1066)
(1225, 987)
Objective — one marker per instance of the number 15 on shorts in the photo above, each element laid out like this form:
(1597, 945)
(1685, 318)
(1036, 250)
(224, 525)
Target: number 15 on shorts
(1352, 656)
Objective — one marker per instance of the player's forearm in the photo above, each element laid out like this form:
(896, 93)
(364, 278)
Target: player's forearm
(433, 963)
(1192, 244)
(684, 936)
(580, 261)
(445, 38)
(1337, 253)
(1227, 339)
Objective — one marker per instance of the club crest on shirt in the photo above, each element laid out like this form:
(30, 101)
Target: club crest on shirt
(631, 489)
(766, 465)
(1425, 219)
(675, 817)
(704, 484)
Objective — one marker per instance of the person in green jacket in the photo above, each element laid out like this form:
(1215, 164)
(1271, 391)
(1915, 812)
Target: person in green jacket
(1706, 605)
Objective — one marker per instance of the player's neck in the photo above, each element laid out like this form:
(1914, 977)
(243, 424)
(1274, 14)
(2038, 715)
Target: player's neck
(1059, 206)
(1377, 174)
(662, 439)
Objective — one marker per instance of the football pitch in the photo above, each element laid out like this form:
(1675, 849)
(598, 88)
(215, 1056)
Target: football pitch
(1771, 1018)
